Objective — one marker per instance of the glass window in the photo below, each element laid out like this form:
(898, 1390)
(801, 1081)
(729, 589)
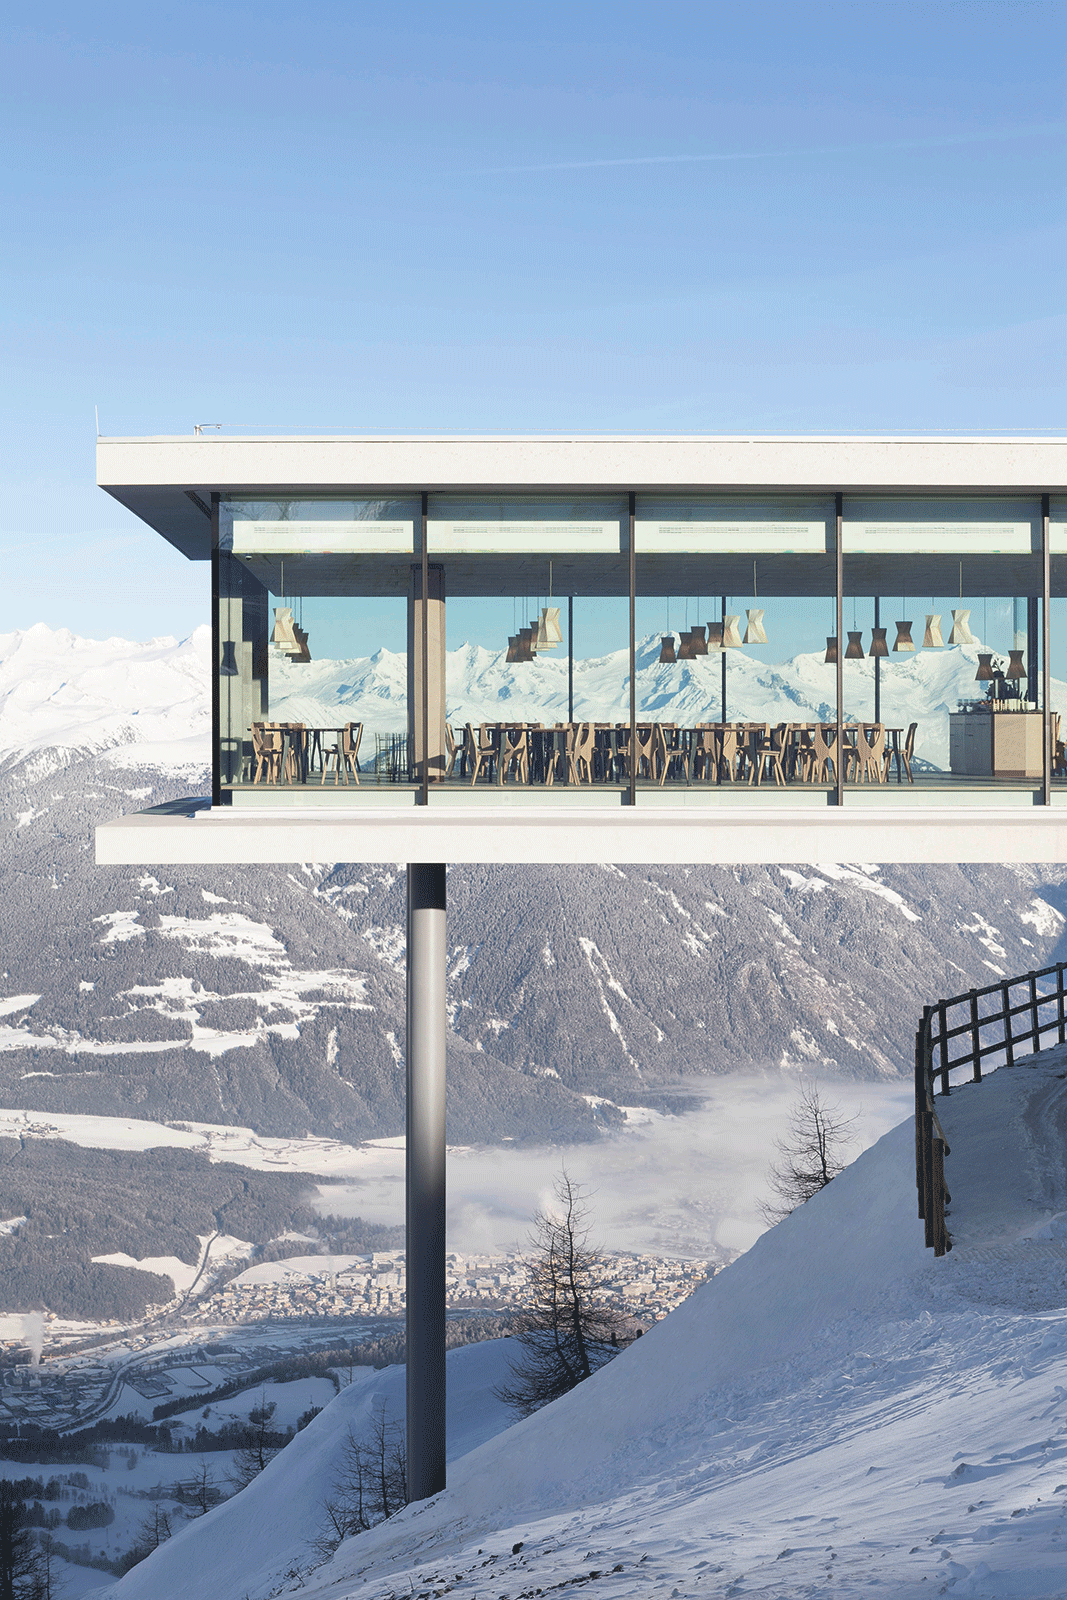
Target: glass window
(942, 622)
(737, 687)
(537, 653)
(314, 690)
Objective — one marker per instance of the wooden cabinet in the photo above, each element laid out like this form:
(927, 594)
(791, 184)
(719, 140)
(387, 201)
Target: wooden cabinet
(995, 744)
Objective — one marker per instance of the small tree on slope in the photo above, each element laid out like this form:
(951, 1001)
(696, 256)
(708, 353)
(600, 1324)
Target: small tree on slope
(566, 1331)
(810, 1156)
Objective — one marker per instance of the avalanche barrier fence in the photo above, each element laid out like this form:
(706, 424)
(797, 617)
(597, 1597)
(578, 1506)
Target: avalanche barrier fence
(994, 1024)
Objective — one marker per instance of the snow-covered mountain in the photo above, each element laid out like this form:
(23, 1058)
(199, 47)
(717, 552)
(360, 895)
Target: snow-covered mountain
(482, 687)
(838, 1413)
(150, 703)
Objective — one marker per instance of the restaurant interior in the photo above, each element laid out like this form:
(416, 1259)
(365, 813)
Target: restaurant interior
(649, 649)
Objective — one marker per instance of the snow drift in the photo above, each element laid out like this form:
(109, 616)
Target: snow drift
(837, 1411)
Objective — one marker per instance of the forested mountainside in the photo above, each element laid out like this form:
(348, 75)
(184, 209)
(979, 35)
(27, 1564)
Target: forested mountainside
(274, 998)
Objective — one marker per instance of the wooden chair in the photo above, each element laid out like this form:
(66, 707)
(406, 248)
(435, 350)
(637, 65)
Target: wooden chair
(295, 745)
(802, 755)
(704, 751)
(344, 754)
(514, 753)
(582, 753)
(869, 755)
(267, 751)
(823, 751)
(452, 749)
(480, 750)
(646, 749)
(560, 752)
(906, 751)
(772, 748)
(728, 754)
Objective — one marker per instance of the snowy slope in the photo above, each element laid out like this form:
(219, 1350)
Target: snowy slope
(838, 1412)
(248, 1544)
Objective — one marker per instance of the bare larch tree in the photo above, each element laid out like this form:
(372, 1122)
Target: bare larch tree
(568, 1328)
(812, 1153)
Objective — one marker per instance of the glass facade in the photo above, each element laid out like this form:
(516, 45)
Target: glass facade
(313, 603)
(448, 648)
(735, 600)
(537, 652)
(948, 693)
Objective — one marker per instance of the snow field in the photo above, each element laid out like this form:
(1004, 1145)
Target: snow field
(246, 1545)
(837, 1413)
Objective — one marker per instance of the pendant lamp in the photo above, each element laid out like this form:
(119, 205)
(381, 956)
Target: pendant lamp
(714, 636)
(904, 640)
(985, 673)
(525, 642)
(731, 633)
(754, 632)
(666, 649)
(229, 667)
(549, 633)
(961, 631)
(854, 648)
(513, 648)
(700, 644)
(1015, 668)
(831, 648)
(533, 631)
(878, 644)
(686, 648)
(932, 639)
(283, 636)
(303, 654)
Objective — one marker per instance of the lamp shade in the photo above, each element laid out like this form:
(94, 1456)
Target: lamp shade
(961, 631)
(283, 635)
(1015, 668)
(549, 634)
(932, 639)
(731, 633)
(525, 640)
(302, 653)
(700, 644)
(513, 648)
(904, 640)
(714, 635)
(666, 648)
(229, 667)
(878, 644)
(985, 673)
(854, 648)
(831, 648)
(686, 651)
(754, 632)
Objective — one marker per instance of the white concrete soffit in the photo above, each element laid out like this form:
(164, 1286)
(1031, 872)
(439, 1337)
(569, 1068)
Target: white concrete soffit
(637, 835)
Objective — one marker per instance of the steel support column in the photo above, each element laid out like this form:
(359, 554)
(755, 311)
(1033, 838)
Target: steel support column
(632, 583)
(425, 1242)
(839, 623)
(1048, 752)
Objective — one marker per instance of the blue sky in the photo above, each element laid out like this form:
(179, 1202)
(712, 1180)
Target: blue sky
(673, 217)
